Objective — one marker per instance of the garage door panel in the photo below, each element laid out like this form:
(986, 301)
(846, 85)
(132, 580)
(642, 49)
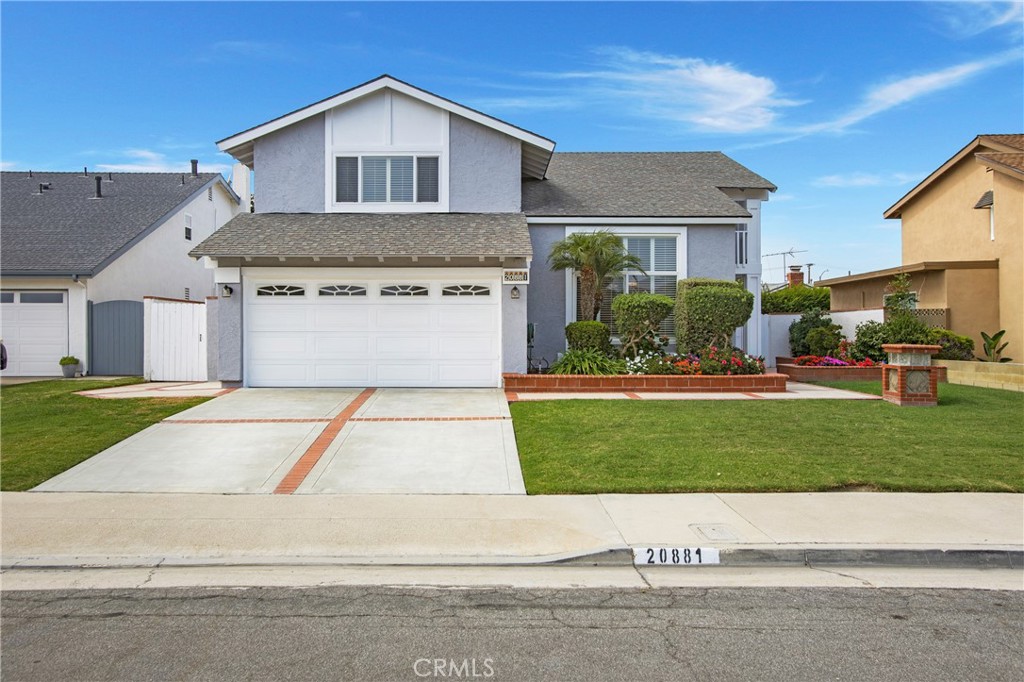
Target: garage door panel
(335, 374)
(474, 346)
(404, 374)
(281, 374)
(403, 317)
(35, 334)
(342, 317)
(275, 345)
(468, 317)
(467, 374)
(282, 317)
(334, 346)
(404, 346)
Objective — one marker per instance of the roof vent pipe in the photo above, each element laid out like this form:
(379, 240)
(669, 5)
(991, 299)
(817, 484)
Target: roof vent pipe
(99, 186)
(85, 171)
(182, 179)
(30, 173)
(195, 168)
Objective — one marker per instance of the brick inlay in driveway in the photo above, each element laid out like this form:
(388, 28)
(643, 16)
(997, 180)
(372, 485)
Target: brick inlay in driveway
(294, 478)
(426, 419)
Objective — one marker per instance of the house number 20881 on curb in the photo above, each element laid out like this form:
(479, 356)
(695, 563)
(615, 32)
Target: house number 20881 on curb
(675, 556)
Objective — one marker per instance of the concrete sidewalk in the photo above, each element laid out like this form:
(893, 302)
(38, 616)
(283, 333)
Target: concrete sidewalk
(122, 530)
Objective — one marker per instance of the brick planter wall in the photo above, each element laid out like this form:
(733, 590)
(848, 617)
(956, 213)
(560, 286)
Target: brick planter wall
(574, 383)
(803, 373)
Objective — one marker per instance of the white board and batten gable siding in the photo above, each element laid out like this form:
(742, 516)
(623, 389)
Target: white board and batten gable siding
(386, 123)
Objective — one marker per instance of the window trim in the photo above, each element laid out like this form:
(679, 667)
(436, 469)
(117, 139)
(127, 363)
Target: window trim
(389, 157)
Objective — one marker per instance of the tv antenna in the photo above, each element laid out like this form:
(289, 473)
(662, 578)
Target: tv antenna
(791, 252)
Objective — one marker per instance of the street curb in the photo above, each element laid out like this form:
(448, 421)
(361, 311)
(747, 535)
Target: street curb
(765, 558)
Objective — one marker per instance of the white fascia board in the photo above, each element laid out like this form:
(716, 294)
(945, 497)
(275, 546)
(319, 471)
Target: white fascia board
(371, 87)
(575, 220)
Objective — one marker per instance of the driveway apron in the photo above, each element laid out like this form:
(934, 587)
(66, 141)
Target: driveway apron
(316, 441)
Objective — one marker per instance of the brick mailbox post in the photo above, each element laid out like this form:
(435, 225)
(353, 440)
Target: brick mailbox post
(909, 379)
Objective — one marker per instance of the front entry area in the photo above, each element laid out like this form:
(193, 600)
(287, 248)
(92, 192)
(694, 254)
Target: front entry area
(398, 327)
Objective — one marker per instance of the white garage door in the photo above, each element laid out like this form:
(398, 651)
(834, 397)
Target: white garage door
(373, 332)
(35, 331)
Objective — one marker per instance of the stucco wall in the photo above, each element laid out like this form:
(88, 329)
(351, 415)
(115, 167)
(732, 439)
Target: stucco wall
(513, 329)
(289, 165)
(485, 173)
(710, 252)
(1009, 219)
(212, 339)
(229, 336)
(159, 264)
(973, 300)
(869, 294)
(546, 295)
(942, 224)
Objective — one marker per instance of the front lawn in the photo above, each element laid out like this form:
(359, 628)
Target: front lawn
(973, 441)
(46, 429)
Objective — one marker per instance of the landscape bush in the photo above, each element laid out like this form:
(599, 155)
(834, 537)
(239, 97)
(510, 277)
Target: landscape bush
(708, 311)
(824, 340)
(796, 300)
(798, 331)
(638, 318)
(868, 341)
(588, 361)
(954, 346)
(589, 334)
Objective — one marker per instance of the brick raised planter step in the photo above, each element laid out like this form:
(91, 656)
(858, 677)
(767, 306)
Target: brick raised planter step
(575, 383)
(804, 373)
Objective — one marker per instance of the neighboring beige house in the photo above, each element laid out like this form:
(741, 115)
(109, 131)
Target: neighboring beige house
(963, 245)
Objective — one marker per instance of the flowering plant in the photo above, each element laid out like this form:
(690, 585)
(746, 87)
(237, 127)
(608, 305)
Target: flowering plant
(711, 360)
(829, 361)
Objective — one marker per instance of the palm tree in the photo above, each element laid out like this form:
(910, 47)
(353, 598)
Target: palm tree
(596, 257)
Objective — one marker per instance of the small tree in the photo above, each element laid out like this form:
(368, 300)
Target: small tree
(596, 257)
(898, 293)
(708, 311)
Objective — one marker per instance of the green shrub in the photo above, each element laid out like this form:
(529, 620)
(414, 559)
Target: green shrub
(708, 311)
(868, 342)
(796, 300)
(798, 331)
(589, 361)
(903, 327)
(589, 335)
(638, 317)
(824, 340)
(954, 346)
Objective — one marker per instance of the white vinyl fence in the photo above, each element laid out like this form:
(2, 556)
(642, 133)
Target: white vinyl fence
(775, 330)
(175, 340)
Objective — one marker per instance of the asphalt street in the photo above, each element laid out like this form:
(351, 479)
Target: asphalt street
(381, 633)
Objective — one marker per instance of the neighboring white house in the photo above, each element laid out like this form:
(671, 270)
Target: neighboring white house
(400, 239)
(79, 251)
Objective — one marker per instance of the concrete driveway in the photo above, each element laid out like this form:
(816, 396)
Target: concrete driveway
(309, 441)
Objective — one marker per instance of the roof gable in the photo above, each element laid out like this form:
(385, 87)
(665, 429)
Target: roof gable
(536, 149)
(67, 230)
(981, 145)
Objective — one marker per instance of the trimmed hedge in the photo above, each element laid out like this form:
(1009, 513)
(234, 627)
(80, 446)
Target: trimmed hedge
(954, 346)
(796, 300)
(589, 335)
(637, 317)
(708, 311)
(798, 331)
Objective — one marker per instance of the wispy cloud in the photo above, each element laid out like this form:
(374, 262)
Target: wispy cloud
(522, 103)
(149, 161)
(8, 165)
(866, 180)
(702, 95)
(248, 50)
(966, 19)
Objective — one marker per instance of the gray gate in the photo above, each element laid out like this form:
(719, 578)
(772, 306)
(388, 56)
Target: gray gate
(115, 338)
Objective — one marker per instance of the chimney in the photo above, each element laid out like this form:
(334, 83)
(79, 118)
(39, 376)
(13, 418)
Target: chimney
(240, 182)
(795, 276)
(99, 186)
(195, 168)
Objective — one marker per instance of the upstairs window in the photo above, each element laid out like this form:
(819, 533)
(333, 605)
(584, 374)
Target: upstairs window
(387, 179)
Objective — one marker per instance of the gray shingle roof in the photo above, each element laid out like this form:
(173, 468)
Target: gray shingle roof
(65, 230)
(643, 184)
(369, 234)
(985, 201)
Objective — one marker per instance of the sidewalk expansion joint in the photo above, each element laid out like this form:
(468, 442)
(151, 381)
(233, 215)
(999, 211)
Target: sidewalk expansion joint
(298, 473)
(320, 420)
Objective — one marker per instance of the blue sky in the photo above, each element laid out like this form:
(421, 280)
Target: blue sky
(844, 106)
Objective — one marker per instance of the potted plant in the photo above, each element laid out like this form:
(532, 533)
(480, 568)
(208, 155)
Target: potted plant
(69, 366)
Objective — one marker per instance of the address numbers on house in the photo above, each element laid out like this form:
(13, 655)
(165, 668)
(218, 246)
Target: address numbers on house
(676, 556)
(515, 276)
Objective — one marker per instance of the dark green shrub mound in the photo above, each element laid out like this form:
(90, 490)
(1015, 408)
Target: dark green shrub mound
(589, 335)
(796, 300)
(708, 311)
(824, 340)
(954, 346)
(588, 361)
(870, 336)
(638, 317)
(798, 331)
(905, 328)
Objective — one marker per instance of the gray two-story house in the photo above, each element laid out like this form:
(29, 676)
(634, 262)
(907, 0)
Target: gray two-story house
(401, 239)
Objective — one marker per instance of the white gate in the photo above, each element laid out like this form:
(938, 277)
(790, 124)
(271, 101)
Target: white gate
(175, 347)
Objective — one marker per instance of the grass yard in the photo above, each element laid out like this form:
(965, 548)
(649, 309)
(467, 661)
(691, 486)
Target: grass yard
(973, 441)
(46, 429)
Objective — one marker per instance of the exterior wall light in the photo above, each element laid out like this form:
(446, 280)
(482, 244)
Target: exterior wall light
(227, 291)
(514, 293)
